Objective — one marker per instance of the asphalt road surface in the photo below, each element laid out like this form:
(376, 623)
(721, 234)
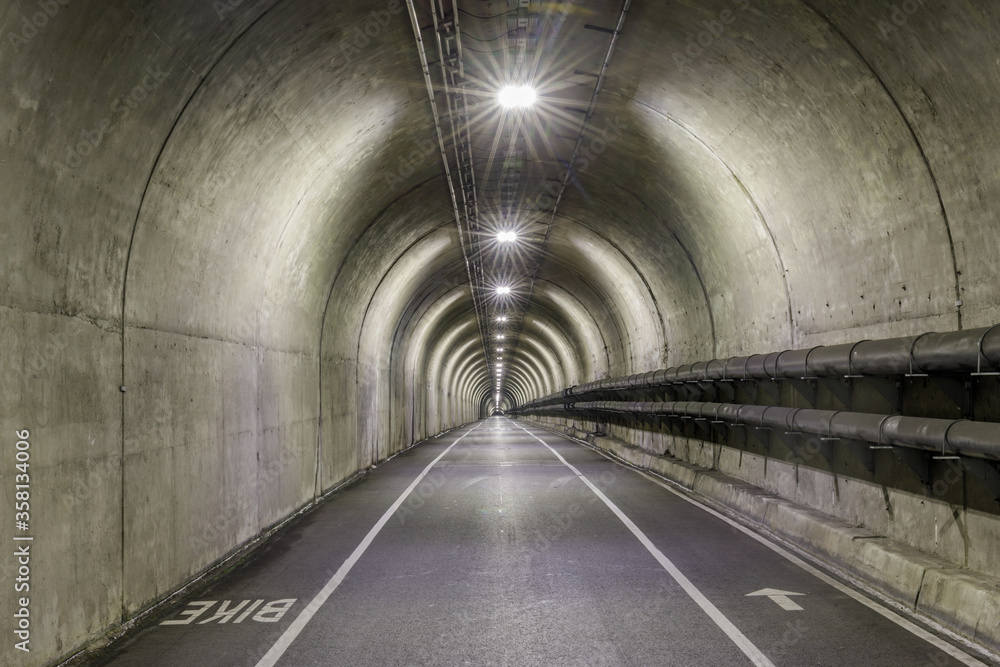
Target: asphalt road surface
(505, 544)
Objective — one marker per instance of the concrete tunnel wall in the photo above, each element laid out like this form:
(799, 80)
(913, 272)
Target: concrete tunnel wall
(236, 211)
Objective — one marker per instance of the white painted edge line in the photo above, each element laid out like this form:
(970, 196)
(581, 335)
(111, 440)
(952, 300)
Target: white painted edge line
(915, 629)
(738, 638)
(911, 627)
(292, 631)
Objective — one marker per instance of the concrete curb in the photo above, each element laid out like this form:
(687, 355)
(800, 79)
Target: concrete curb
(965, 601)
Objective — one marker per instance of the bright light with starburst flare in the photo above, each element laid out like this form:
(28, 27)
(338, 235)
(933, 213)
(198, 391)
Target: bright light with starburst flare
(517, 97)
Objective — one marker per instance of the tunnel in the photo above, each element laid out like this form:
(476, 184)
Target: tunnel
(261, 255)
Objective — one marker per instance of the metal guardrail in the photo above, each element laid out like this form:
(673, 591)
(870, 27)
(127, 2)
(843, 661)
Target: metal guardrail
(945, 437)
(975, 352)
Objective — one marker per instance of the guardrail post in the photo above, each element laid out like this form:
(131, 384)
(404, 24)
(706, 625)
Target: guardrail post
(839, 391)
(804, 387)
(987, 473)
(876, 394)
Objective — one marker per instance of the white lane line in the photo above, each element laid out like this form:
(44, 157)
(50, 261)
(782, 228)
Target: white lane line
(710, 609)
(939, 643)
(936, 641)
(293, 630)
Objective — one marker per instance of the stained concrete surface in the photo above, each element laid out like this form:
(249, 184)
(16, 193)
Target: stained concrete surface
(228, 208)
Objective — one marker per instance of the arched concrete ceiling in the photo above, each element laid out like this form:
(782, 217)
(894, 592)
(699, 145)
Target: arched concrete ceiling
(742, 177)
(554, 338)
(238, 212)
(806, 157)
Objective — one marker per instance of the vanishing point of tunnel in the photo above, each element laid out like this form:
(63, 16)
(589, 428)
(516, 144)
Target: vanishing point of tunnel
(499, 332)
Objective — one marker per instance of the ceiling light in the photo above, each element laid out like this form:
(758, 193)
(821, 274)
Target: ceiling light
(503, 289)
(506, 237)
(500, 336)
(502, 318)
(517, 97)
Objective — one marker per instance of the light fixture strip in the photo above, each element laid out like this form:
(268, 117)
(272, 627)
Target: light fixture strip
(460, 134)
(522, 302)
(507, 177)
(576, 148)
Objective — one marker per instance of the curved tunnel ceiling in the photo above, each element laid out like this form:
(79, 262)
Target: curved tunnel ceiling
(737, 181)
(234, 276)
(732, 179)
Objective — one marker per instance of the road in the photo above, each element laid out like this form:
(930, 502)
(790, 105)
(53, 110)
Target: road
(504, 544)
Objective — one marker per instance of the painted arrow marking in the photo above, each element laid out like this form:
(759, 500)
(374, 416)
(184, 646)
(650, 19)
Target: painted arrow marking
(780, 597)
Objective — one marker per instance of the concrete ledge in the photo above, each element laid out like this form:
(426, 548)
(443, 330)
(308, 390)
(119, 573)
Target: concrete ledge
(895, 569)
(965, 601)
(754, 501)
